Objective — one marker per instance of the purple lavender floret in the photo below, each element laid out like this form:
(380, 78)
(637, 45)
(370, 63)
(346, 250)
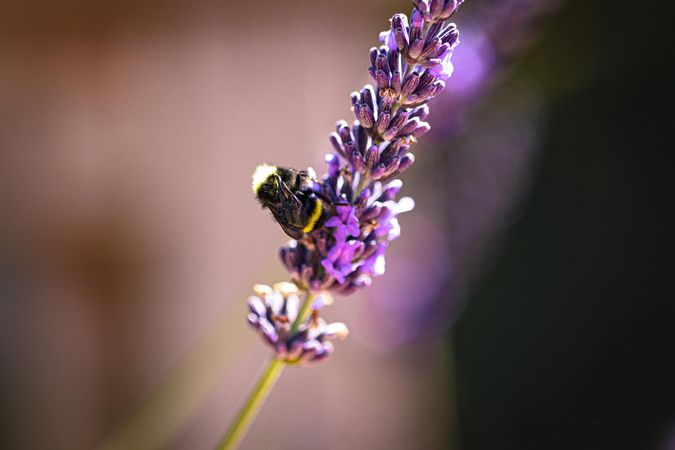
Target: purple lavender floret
(360, 187)
(273, 311)
(437, 10)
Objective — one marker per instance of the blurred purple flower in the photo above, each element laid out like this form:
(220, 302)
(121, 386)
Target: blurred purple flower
(486, 175)
(445, 68)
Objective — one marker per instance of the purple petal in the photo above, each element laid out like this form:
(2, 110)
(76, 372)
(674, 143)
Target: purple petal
(389, 39)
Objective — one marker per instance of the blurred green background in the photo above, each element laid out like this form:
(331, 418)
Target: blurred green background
(527, 305)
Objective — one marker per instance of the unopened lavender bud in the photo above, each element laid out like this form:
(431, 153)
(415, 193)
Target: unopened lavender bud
(414, 127)
(421, 130)
(336, 142)
(349, 150)
(431, 49)
(378, 171)
(450, 35)
(416, 48)
(416, 24)
(336, 330)
(371, 246)
(342, 129)
(368, 97)
(400, 119)
(368, 116)
(396, 81)
(373, 55)
(391, 190)
(430, 63)
(371, 213)
(355, 98)
(411, 99)
(410, 84)
(268, 332)
(383, 121)
(399, 25)
(390, 133)
(256, 306)
(322, 300)
(306, 273)
(422, 5)
(426, 79)
(399, 146)
(308, 352)
(372, 156)
(357, 160)
(441, 51)
(382, 64)
(252, 319)
(381, 79)
(288, 259)
(449, 9)
(365, 115)
(426, 93)
(362, 137)
(421, 111)
(436, 8)
(392, 166)
(356, 109)
(389, 152)
(394, 60)
(333, 165)
(406, 161)
(433, 31)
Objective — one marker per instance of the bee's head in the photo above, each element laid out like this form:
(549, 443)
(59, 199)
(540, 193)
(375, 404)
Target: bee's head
(265, 184)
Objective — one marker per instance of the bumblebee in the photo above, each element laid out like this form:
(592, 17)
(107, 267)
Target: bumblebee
(288, 194)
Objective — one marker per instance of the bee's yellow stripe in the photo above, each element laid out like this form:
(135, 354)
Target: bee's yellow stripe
(314, 218)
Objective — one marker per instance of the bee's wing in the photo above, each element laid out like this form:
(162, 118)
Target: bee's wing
(287, 196)
(289, 229)
(289, 213)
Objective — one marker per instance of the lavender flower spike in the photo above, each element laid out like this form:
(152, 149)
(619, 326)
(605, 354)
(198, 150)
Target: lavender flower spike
(343, 223)
(274, 309)
(360, 183)
(357, 195)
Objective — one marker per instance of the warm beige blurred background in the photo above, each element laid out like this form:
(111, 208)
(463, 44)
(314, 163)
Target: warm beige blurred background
(129, 238)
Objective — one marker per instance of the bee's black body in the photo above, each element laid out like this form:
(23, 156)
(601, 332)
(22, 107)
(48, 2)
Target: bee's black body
(288, 194)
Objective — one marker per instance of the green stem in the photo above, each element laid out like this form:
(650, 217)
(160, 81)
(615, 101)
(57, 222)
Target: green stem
(243, 421)
(262, 389)
(303, 314)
